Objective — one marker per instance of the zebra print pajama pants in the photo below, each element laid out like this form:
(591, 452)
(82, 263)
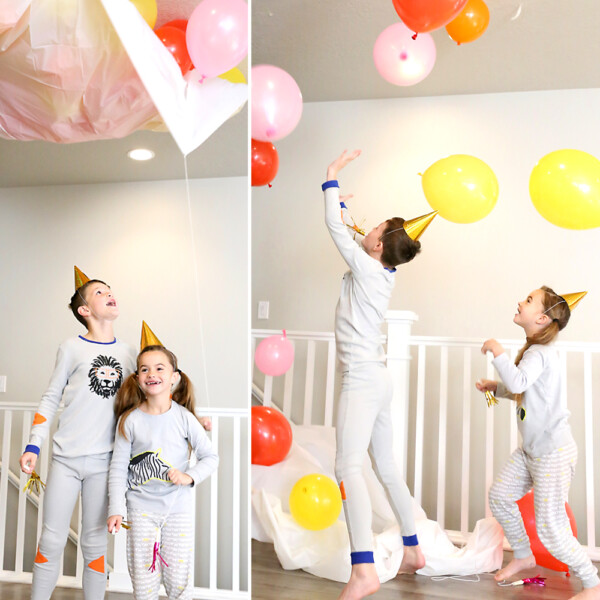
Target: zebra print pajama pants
(550, 476)
(176, 548)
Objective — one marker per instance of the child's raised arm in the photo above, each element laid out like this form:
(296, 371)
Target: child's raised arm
(356, 258)
(340, 162)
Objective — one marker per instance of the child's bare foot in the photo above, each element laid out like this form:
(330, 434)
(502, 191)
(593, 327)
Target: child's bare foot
(514, 566)
(363, 582)
(588, 594)
(412, 561)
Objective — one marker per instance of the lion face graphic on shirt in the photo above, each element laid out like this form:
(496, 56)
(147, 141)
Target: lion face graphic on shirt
(106, 376)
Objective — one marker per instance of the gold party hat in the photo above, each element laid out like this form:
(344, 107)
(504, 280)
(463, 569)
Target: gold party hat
(573, 299)
(80, 278)
(148, 337)
(415, 227)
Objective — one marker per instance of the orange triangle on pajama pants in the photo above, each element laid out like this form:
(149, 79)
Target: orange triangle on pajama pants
(97, 565)
(37, 419)
(40, 558)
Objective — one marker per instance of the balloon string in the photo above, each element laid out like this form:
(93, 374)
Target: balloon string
(196, 281)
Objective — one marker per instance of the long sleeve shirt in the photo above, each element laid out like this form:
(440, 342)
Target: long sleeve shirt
(138, 478)
(541, 418)
(86, 378)
(365, 292)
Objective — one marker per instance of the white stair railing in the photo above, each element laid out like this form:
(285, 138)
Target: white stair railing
(447, 442)
(222, 541)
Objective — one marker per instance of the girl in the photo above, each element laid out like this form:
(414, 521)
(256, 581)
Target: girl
(156, 429)
(546, 460)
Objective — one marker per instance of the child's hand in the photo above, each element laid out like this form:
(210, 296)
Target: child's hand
(340, 162)
(492, 346)
(487, 385)
(114, 523)
(179, 478)
(206, 423)
(344, 198)
(27, 462)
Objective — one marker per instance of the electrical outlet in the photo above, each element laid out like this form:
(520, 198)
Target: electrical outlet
(263, 309)
(2, 383)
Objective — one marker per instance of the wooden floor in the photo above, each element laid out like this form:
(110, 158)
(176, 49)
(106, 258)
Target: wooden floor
(19, 591)
(271, 582)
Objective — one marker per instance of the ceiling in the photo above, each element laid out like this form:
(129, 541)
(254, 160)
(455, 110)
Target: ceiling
(327, 47)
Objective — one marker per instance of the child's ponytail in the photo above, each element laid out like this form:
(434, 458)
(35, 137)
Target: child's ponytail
(184, 393)
(129, 398)
(558, 310)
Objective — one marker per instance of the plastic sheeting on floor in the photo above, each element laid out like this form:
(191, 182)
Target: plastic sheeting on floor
(81, 70)
(326, 553)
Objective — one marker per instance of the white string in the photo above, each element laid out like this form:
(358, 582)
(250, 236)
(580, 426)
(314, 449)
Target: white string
(464, 578)
(196, 281)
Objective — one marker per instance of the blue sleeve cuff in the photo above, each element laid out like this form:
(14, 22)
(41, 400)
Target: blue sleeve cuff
(330, 184)
(343, 205)
(32, 448)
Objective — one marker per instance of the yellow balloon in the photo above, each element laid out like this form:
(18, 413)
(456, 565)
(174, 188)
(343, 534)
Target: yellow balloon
(461, 187)
(148, 10)
(315, 502)
(565, 189)
(234, 75)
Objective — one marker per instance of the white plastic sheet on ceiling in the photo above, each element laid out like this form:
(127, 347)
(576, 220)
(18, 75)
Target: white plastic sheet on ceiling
(81, 70)
(326, 553)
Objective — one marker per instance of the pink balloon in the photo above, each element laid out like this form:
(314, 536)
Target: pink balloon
(402, 60)
(217, 36)
(274, 355)
(276, 103)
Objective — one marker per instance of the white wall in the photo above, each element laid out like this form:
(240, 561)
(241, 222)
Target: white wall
(468, 278)
(137, 238)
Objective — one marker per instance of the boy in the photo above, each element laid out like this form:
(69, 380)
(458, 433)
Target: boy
(88, 373)
(364, 418)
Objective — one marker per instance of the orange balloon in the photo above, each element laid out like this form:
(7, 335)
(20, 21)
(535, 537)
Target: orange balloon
(470, 23)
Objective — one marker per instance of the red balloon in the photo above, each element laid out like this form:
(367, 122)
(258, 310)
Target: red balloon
(271, 436)
(265, 162)
(542, 557)
(179, 23)
(427, 15)
(174, 40)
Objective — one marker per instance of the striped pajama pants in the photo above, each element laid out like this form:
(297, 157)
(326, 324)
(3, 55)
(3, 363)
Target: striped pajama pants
(177, 545)
(550, 476)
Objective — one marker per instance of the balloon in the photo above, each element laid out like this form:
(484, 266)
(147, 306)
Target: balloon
(565, 189)
(217, 35)
(234, 75)
(461, 187)
(315, 502)
(276, 103)
(174, 40)
(271, 436)
(542, 557)
(402, 60)
(148, 10)
(427, 15)
(274, 355)
(265, 162)
(179, 23)
(470, 23)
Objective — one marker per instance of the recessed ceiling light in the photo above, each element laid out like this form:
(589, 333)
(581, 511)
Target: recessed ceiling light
(140, 154)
